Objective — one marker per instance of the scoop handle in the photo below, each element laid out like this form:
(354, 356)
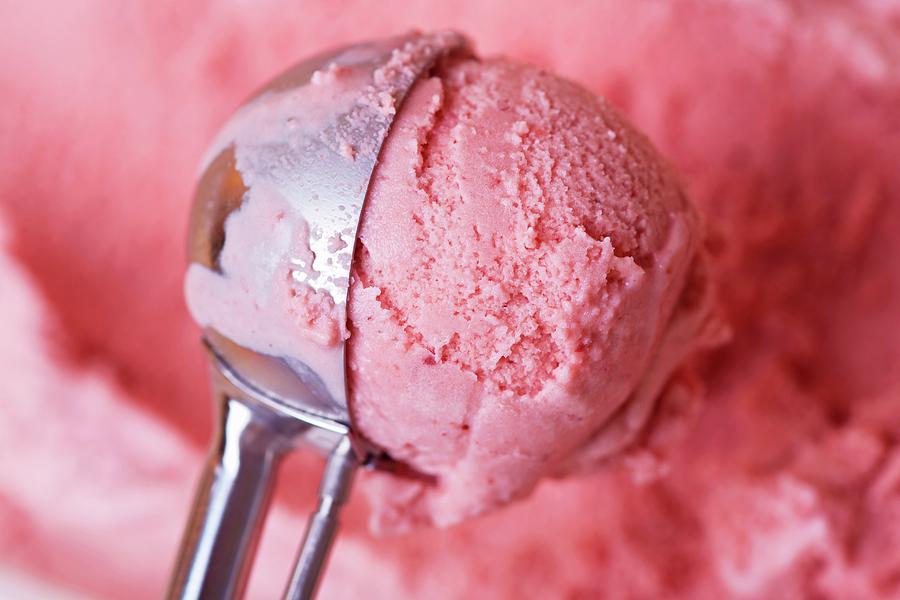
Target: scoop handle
(230, 504)
(321, 529)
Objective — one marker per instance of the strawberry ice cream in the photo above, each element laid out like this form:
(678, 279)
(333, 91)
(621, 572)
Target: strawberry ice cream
(768, 470)
(524, 261)
(522, 256)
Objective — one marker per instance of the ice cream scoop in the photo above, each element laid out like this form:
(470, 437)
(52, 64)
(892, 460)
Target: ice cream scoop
(524, 280)
(315, 160)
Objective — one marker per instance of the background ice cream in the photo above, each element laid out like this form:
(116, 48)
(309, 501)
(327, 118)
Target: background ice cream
(782, 118)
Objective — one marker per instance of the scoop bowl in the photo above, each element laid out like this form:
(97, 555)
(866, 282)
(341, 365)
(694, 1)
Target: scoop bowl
(270, 405)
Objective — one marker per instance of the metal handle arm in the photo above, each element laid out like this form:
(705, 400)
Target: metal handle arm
(321, 529)
(230, 505)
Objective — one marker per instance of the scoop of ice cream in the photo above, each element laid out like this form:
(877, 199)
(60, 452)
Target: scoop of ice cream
(528, 275)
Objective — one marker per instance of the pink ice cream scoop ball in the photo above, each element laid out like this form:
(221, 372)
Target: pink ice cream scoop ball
(529, 275)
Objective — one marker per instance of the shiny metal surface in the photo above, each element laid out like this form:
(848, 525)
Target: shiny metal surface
(321, 529)
(326, 188)
(233, 495)
(283, 386)
(271, 405)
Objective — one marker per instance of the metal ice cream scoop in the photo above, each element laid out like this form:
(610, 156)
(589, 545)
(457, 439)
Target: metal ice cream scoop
(271, 405)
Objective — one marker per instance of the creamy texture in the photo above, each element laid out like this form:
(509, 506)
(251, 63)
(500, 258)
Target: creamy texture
(782, 118)
(522, 253)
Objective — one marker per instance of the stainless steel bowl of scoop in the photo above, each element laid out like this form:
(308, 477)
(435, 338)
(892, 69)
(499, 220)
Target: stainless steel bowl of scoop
(269, 406)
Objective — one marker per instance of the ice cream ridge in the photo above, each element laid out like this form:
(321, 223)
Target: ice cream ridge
(527, 278)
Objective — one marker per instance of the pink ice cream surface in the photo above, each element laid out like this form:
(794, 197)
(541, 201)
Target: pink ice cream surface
(522, 256)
